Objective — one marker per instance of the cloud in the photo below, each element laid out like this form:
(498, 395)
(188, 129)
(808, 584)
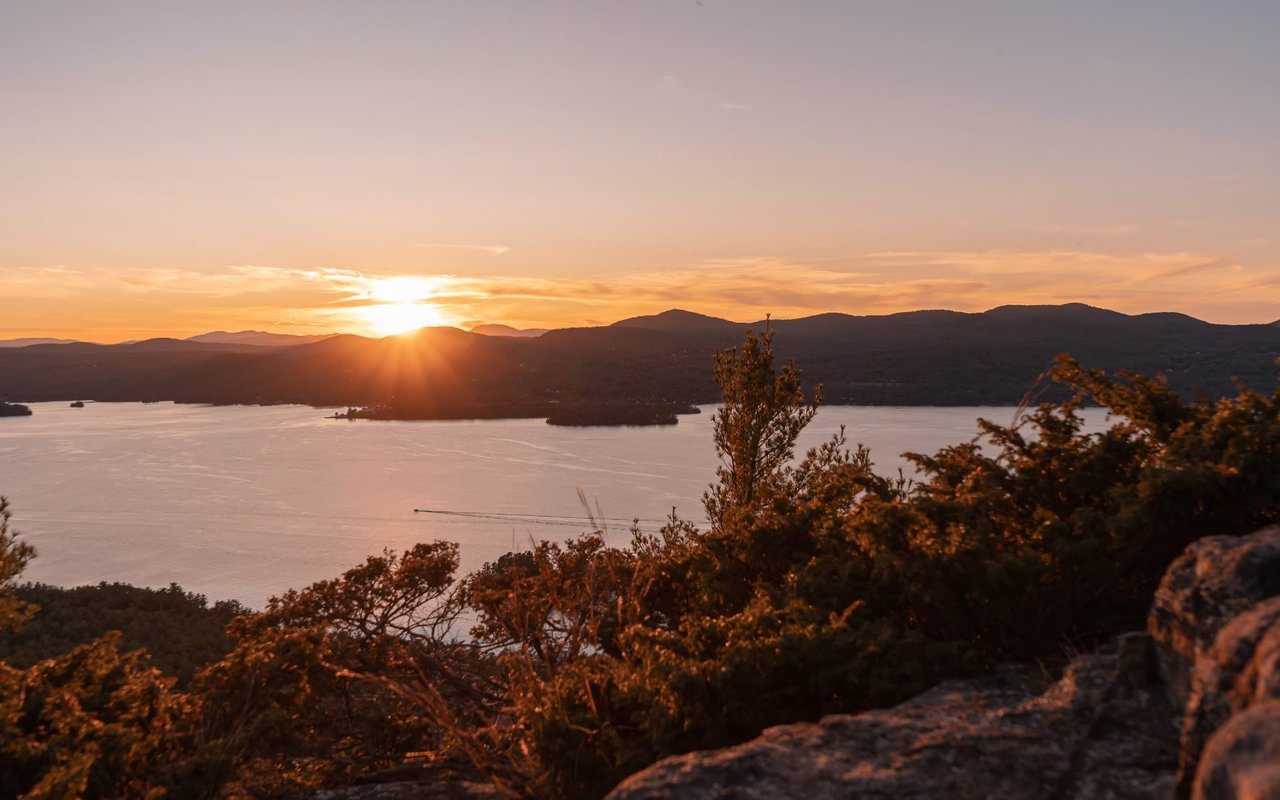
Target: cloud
(1112, 230)
(746, 288)
(491, 249)
(873, 283)
(677, 86)
(39, 282)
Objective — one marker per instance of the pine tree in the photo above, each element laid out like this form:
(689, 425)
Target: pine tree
(14, 556)
(764, 409)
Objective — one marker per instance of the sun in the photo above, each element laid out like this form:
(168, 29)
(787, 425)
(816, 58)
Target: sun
(388, 319)
(400, 304)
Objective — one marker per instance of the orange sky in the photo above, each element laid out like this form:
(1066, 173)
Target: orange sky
(116, 306)
(173, 168)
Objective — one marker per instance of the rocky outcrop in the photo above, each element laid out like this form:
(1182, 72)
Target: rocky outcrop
(1191, 708)
(1216, 622)
(1242, 760)
(415, 790)
(1216, 579)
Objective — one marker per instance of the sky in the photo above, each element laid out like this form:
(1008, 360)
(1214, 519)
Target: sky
(170, 168)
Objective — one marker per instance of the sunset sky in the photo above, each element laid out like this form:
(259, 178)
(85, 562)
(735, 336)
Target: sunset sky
(169, 168)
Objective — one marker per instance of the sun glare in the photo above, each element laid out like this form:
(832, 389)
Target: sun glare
(400, 304)
(403, 288)
(388, 319)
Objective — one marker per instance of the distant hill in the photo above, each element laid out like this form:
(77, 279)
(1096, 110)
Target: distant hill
(915, 358)
(30, 341)
(507, 330)
(679, 321)
(261, 338)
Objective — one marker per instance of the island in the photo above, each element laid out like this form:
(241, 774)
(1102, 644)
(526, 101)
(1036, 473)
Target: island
(13, 410)
(620, 414)
(577, 414)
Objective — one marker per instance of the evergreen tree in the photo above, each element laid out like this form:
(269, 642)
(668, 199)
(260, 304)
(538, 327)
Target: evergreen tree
(14, 556)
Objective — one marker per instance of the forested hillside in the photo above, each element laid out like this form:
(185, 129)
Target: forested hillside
(918, 358)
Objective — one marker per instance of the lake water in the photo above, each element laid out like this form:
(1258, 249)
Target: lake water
(245, 502)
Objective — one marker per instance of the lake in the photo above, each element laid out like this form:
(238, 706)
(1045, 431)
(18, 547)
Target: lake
(244, 502)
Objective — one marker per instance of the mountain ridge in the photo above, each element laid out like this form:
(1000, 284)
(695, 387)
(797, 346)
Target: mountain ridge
(498, 329)
(930, 357)
(262, 338)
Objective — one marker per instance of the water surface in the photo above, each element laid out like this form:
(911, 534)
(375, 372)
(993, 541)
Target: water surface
(245, 502)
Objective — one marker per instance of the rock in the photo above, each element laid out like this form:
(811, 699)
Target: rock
(411, 790)
(1213, 621)
(1263, 671)
(1214, 580)
(1238, 671)
(1242, 760)
(1104, 731)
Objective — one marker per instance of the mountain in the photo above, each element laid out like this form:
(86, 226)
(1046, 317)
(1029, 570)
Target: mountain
(679, 321)
(32, 340)
(915, 358)
(261, 338)
(490, 329)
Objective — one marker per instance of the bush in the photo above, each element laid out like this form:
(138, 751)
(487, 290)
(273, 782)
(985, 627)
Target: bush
(181, 631)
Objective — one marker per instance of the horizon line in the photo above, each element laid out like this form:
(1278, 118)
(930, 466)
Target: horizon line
(471, 326)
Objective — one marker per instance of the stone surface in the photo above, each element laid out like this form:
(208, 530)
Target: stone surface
(1242, 760)
(1214, 580)
(410, 790)
(1104, 731)
(1238, 671)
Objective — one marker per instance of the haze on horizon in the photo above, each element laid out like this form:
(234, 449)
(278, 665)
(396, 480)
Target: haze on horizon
(177, 167)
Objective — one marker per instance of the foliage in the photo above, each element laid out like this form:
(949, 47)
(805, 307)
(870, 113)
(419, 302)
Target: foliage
(14, 556)
(762, 412)
(91, 723)
(181, 631)
(341, 679)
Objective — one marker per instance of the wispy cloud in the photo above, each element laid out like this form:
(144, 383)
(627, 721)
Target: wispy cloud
(1106, 230)
(679, 87)
(491, 249)
(39, 282)
(739, 288)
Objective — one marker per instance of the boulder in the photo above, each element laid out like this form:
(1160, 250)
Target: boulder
(1214, 580)
(1238, 671)
(1242, 759)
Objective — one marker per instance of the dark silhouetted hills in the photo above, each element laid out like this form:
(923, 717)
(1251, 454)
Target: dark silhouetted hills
(915, 358)
(507, 330)
(28, 341)
(257, 337)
